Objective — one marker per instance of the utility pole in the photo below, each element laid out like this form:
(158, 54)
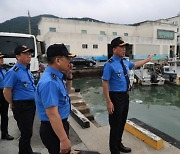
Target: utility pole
(29, 23)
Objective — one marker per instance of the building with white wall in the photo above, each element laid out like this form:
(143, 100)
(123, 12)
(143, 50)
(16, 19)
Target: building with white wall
(92, 39)
(175, 21)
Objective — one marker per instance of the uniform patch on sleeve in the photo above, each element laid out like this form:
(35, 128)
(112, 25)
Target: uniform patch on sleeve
(110, 60)
(54, 76)
(16, 68)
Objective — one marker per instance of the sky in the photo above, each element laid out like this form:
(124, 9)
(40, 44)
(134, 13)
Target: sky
(111, 11)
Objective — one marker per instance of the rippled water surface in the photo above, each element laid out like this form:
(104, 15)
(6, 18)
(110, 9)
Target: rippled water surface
(157, 106)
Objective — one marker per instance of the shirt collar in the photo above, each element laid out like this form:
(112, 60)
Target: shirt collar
(116, 58)
(54, 71)
(23, 67)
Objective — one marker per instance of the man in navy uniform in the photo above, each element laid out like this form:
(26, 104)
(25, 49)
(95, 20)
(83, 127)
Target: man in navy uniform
(115, 87)
(53, 101)
(3, 104)
(19, 91)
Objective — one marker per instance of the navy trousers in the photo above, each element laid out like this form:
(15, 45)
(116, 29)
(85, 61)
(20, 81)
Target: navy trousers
(49, 138)
(117, 120)
(4, 105)
(24, 112)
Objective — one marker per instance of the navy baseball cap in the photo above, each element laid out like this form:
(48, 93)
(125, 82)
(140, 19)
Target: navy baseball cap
(58, 50)
(22, 49)
(118, 42)
(1, 55)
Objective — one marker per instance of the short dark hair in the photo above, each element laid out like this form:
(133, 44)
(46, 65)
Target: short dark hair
(50, 60)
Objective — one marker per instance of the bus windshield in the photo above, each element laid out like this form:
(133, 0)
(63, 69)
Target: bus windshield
(9, 43)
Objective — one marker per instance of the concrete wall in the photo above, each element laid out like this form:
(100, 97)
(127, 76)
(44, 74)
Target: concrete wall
(143, 37)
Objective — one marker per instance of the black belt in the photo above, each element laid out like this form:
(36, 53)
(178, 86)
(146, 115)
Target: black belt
(119, 92)
(23, 101)
(48, 122)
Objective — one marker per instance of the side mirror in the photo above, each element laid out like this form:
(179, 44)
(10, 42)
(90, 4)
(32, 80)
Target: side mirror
(40, 47)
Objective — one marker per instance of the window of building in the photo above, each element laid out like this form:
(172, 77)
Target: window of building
(83, 31)
(84, 46)
(95, 46)
(125, 34)
(52, 29)
(102, 33)
(175, 23)
(114, 33)
(165, 34)
(39, 32)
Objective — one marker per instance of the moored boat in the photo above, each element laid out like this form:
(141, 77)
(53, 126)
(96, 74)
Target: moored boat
(147, 75)
(171, 71)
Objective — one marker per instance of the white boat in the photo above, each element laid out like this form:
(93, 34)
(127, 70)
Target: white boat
(147, 75)
(171, 71)
(131, 77)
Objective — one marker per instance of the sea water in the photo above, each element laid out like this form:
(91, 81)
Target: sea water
(157, 106)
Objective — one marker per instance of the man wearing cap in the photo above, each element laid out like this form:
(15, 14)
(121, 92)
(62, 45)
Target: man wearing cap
(53, 101)
(19, 91)
(3, 104)
(116, 84)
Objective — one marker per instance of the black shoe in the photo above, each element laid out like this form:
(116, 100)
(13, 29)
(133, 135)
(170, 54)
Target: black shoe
(35, 153)
(7, 137)
(124, 149)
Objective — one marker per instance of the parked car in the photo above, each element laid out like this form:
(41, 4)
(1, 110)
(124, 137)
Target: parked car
(78, 61)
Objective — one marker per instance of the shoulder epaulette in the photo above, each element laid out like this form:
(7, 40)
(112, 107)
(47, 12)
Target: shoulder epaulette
(54, 76)
(16, 68)
(110, 60)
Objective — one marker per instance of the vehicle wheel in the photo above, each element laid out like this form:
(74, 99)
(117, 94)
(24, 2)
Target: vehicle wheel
(90, 64)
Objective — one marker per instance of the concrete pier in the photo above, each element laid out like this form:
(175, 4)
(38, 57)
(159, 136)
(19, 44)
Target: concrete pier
(93, 138)
(96, 138)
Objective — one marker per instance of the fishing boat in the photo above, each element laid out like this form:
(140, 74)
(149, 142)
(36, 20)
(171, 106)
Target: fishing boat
(147, 75)
(171, 71)
(131, 77)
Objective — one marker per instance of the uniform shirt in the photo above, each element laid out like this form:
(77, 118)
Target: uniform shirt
(51, 91)
(20, 79)
(113, 73)
(2, 74)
